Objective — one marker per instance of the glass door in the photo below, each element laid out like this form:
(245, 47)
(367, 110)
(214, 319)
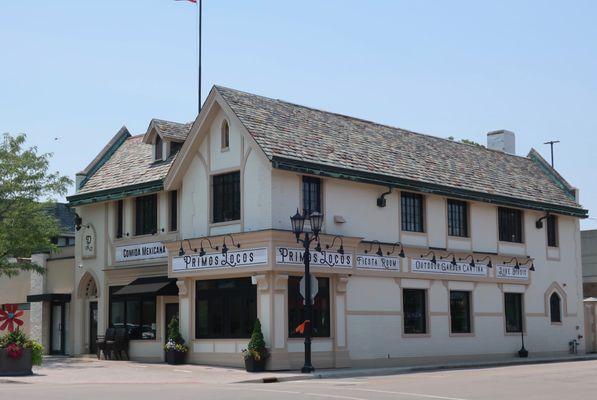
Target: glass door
(57, 329)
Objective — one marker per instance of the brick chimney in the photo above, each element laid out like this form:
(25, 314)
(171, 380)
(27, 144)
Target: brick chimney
(502, 140)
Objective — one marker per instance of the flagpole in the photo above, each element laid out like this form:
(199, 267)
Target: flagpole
(199, 16)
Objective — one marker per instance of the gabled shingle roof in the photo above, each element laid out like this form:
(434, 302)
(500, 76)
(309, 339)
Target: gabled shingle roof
(172, 130)
(289, 131)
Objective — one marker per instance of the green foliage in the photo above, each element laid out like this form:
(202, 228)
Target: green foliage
(19, 338)
(466, 141)
(174, 331)
(256, 347)
(25, 225)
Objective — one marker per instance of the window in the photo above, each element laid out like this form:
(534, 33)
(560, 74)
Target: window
(311, 195)
(513, 310)
(226, 197)
(321, 308)
(457, 218)
(552, 231)
(146, 214)
(225, 136)
(225, 308)
(555, 309)
(119, 218)
(173, 210)
(136, 313)
(460, 311)
(174, 147)
(158, 149)
(412, 212)
(510, 225)
(415, 311)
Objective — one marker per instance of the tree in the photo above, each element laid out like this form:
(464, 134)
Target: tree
(25, 224)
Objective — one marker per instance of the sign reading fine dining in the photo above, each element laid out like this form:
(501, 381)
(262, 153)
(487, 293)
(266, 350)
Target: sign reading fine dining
(232, 259)
(378, 263)
(446, 267)
(286, 255)
(140, 251)
(509, 272)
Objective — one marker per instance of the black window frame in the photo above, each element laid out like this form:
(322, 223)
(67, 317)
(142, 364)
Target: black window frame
(225, 292)
(158, 153)
(119, 219)
(312, 194)
(510, 225)
(464, 319)
(128, 300)
(555, 310)
(552, 231)
(146, 214)
(412, 210)
(226, 197)
(322, 326)
(514, 317)
(174, 148)
(173, 216)
(411, 317)
(458, 218)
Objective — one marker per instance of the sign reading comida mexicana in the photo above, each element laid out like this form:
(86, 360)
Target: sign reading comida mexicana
(232, 259)
(140, 251)
(510, 272)
(292, 256)
(419, 266)
(366, 261)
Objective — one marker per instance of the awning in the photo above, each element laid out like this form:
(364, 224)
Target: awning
(158, 286)
(54, 297)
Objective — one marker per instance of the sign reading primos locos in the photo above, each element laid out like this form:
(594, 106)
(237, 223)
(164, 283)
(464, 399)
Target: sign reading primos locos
(510, 272)
(140, 251)
(292, 256)
(446, 267)
(366, 261)
(240, 258)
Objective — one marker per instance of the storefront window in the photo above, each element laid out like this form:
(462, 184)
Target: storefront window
(415, 311)
(225, 308)
(321, 308)
(460, 311)
(513, 304)
(135, 313)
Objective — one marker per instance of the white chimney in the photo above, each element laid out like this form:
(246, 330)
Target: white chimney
(502, 140)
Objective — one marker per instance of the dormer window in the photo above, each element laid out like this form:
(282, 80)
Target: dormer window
(174, 147)
(225, 136)
(158, 151)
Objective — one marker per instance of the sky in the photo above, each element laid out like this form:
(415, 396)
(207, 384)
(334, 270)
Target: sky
(73, 72)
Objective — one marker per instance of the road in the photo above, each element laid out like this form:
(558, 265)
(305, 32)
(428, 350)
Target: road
(571, 380)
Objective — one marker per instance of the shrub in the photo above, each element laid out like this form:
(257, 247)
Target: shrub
(174, 331)
(14, 342)
(256, 347)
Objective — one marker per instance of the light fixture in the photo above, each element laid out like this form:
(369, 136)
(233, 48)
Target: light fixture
(401, 254)
(433, 259)
(316, 219)
(489, 264)
(453, 262)
(298, 222)
(225, 248)
(181, 251)
(516, 265)
(78, 222)
(341, 248)
(539, 222)
(472, 263)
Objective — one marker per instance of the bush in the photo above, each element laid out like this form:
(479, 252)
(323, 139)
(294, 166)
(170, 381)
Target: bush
(19, 340)
(256, 347)
(174, 331)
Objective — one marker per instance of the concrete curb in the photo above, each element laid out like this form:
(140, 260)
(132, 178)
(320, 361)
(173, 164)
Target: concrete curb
(352, 373)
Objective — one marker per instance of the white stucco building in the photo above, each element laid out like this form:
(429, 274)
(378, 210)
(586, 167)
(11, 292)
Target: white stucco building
(449, 249)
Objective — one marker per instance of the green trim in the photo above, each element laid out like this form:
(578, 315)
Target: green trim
(383, 180)
(116, 193)
(109, 153)
(546, 168)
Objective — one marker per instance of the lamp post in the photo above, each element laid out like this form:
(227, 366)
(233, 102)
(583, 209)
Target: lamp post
(298, 223)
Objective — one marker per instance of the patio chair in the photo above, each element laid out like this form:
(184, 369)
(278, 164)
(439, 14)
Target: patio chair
(102, 343)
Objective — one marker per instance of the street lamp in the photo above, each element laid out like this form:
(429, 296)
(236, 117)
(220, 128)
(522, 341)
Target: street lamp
(298, 224)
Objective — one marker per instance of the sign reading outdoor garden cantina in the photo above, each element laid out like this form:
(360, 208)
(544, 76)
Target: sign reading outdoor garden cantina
(140, 251)
(420, 266)
(232, 259)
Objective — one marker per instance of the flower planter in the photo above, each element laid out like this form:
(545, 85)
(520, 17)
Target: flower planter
(15, 367)
(174, 357)
(252, 365)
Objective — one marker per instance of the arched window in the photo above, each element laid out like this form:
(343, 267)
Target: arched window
(225, 135)
(158, 149)
(555, 307)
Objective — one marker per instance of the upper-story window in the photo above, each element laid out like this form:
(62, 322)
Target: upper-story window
(174, 147)
(510, 225)
(225, 136)
(311, 195)
(173, 211)
(412, 212)
(119, 218)
(158, 151)
(457, 218)
(146, 214)
(552, 231)
(226, 197)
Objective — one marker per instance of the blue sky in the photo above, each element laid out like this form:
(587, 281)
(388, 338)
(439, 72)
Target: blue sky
(79, 70)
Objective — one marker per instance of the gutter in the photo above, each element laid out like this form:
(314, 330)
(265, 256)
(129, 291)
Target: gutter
(116, 193)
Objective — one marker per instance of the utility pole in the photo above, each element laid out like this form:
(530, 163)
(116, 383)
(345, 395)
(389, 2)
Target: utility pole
(551, 143)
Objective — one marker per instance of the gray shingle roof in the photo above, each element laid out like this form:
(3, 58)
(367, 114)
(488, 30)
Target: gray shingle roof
(172, 130)
(296, 132)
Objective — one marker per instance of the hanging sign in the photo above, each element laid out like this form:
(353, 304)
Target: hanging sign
(292, 256)
(232, 259)
(88, 242)
(419, 266)
(509, 272)
(140, 251)
(367, 261)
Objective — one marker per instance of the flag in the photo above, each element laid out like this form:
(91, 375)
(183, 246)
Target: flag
(301, 328)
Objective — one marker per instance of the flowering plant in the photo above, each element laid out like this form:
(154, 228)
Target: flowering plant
(14, 351)
(172, 345)
(16, 341)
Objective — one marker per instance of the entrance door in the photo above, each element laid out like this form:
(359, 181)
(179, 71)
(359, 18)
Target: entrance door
(92, 327)
(171, 311)
(57, 328)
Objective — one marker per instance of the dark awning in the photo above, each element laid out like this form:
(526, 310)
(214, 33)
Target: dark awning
(158, 286)
(55, 297)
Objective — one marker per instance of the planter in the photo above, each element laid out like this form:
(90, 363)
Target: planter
(252, 365)
(174, 357)
(12, 367)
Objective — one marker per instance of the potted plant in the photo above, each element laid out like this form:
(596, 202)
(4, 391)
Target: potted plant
(18, 354)
(255, 354)
(175, 349)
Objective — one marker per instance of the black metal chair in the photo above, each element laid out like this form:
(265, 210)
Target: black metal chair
(102, 343)
(118, 345)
